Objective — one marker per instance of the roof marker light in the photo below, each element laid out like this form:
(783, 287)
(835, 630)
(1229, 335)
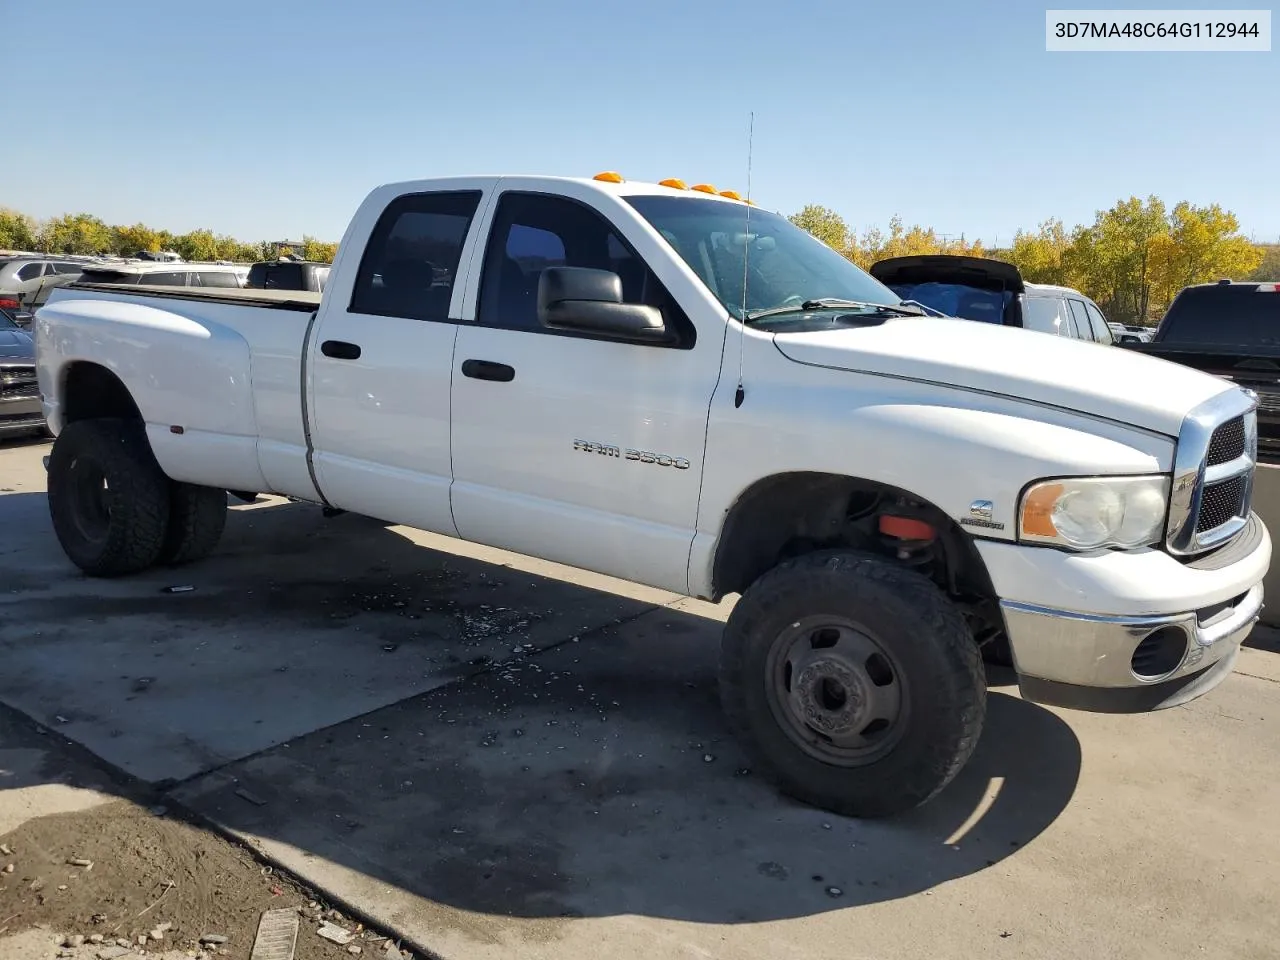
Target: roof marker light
(731, 194)
(703, 187)
(674, 183)
(609, 176)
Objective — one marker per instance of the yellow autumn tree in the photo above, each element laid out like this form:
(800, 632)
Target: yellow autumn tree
(1202, 244)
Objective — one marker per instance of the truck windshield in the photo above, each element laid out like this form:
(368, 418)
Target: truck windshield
(785, 265)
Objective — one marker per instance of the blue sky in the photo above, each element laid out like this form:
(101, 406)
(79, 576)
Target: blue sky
(268, 119)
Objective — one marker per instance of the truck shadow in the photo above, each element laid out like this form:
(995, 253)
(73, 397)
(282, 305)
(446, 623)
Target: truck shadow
(477, 734)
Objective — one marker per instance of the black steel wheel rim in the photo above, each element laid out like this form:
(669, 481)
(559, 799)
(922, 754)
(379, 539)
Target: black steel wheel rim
(837, 691)
(90, 500)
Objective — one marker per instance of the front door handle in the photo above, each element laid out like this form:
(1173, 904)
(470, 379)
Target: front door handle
(488, 370)
(340, 350)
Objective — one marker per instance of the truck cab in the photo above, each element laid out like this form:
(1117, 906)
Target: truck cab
(671, 385)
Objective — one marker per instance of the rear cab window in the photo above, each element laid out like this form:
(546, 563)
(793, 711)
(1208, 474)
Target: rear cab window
(1239, 315)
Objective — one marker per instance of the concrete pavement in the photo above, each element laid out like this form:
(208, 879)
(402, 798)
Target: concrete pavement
(350, 699)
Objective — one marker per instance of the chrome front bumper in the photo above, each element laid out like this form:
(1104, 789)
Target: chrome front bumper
(1168, 656)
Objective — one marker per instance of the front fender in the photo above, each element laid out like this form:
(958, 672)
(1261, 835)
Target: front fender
(948, 447)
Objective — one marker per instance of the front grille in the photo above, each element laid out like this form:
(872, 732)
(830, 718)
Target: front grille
(1211, 498)
(1221, 503)
(18, 382)
(1227, 442)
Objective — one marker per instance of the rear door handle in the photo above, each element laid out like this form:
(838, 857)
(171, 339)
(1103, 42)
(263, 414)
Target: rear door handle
(488, 370)
(340, 350)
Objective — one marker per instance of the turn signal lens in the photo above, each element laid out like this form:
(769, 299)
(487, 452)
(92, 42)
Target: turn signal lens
(1086, 513)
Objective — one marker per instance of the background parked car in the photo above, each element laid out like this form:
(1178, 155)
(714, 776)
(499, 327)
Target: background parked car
(288, 274)
(1129, 332)
(22, 277)
(20, 410)
(168, 274)
(1230, 329)
(993, 291)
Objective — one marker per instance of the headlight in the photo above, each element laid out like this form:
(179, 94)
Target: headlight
(1090, 512)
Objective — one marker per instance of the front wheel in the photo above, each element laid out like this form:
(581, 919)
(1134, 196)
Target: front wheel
(108, 498)
(854, 683)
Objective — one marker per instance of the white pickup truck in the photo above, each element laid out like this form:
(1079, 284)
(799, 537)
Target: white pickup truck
(675, 387)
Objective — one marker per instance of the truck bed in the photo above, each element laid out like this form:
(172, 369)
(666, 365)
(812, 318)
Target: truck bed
(306, 300)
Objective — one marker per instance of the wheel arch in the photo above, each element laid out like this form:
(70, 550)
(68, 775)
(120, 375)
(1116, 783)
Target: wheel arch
(88, 390)
(786, 514)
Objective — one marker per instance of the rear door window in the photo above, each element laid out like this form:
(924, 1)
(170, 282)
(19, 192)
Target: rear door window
(164, 278)
(1101, 332)
(1083, 330)
(214, 278)
(411, 260)
(1046, 315)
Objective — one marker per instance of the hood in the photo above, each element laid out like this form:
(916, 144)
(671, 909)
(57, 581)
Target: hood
(1091, 378)
(16, 345)
(977, 272)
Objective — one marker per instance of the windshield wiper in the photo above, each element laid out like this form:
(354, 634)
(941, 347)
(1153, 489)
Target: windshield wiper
(836, 303)
(924, 308)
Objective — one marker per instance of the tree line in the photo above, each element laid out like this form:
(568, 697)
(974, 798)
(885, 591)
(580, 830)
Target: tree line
(1131, 260)
(83, 233)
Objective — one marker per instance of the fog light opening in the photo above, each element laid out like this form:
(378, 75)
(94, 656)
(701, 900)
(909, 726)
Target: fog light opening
(1159, 654)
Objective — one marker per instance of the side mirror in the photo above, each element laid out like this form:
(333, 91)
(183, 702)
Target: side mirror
(23, 319)
(580, 298)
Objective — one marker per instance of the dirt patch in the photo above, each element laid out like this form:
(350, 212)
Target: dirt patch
(149, 872)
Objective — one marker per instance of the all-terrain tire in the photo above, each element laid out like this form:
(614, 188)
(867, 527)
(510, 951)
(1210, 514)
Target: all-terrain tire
(922, 632)
(197, 517)
(108, 498)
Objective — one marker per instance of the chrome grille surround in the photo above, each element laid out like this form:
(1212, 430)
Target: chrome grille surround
(1192, 474)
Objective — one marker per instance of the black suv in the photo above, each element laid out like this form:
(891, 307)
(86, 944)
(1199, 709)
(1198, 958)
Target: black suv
(1230, 329)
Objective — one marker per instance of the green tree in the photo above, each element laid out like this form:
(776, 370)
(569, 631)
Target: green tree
(1039, 255)
(128, 241)
(17, 230)
(313, 249)
(903, 241)
(197, 245)
(80, 233)
(1114, 261)
(1268, 267)
(825, 224)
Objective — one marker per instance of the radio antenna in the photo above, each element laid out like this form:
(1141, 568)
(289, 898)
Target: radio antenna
(740, 393)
